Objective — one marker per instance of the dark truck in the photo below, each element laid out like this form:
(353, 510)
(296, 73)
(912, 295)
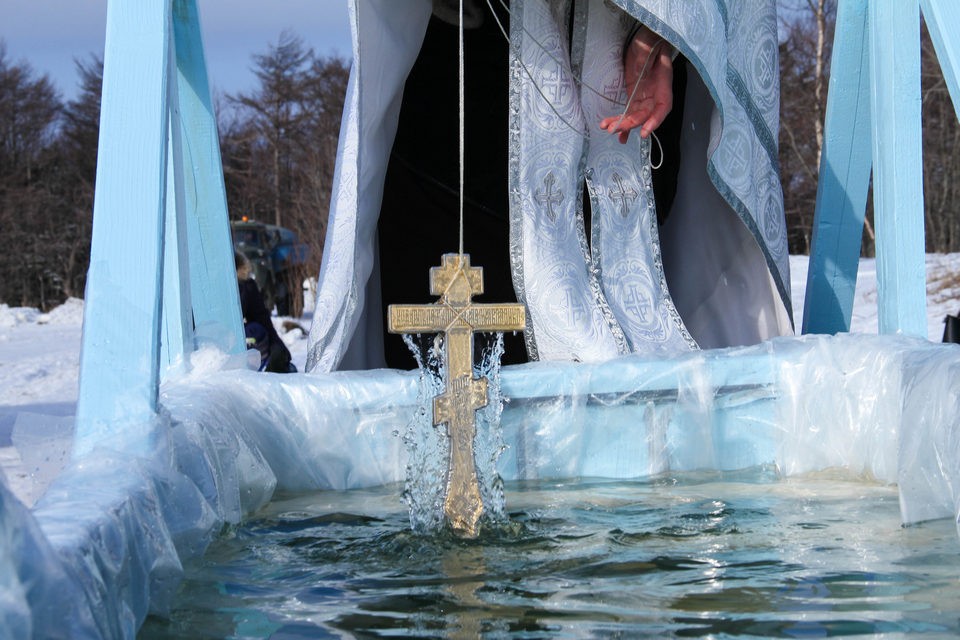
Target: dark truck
(274, 253)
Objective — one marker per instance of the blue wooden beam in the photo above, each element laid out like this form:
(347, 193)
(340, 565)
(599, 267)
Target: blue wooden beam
(162, 276)
(120, 348)
(176, 338)
(943, 18)
(845, 164)
(213, 281)
(898, 166)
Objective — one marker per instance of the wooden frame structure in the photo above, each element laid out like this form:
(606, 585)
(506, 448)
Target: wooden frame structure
(873, 121)
(162, 279)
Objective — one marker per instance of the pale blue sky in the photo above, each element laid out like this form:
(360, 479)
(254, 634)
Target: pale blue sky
(49, 34)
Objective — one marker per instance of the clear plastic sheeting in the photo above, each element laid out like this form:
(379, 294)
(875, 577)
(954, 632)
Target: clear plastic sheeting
(331, 431)
(632, 418)
(37, 598)
(884, 407)
(876, 406)
(841, 404)
(43, 443)
(121, 525)
(928, 469)
(110, 534)
(881, 407)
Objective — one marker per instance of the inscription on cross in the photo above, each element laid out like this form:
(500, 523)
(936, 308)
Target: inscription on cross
(458, 317)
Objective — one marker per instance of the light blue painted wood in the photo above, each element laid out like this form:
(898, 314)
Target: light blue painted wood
(898, 167)
(177, 311)
(943, 18)
(213, 282)
(845, 164)
(120, 345)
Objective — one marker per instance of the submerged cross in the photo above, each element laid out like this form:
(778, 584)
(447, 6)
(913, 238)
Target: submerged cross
(458, 317)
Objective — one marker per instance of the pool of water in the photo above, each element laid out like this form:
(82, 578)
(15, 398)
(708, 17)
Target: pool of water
(689, 556)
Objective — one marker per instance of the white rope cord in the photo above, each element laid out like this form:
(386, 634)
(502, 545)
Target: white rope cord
(579, 81)
(462, 129)
(527, 71)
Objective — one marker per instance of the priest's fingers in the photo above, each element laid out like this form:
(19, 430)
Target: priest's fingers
(657, 115)
(647, 119)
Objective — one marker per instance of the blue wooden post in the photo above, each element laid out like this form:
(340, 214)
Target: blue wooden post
(898, 167)
(845, 164)
(176, 338)
(120, 349)
(874, 96)
(161, 259)
(943, 18)
(213, 281)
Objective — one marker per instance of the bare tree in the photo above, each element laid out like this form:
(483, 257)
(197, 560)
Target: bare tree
(29, 107)
(819, 9)
(276, 113)
(806, 36)
(279, 144)
(941, 163)
(29, 112)
(323, 105)
(79, 137)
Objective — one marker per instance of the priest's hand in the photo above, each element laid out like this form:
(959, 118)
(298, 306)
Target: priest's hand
(648, 71)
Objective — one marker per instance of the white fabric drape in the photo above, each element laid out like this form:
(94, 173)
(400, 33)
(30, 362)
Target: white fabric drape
(719, 276)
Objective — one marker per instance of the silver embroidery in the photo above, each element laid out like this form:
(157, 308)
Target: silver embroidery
(623, 196)
(547, 197)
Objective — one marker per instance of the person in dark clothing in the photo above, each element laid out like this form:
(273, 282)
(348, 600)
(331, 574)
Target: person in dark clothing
(422, 181)
(257, 325)
(547, 210)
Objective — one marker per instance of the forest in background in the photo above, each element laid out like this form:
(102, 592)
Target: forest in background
(279, 141)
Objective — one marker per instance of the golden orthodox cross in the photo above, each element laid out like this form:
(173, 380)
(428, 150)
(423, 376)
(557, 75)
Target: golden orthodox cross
(458, 317)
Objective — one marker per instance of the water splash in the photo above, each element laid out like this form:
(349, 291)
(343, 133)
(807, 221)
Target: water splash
(488, 443)
(428, 447)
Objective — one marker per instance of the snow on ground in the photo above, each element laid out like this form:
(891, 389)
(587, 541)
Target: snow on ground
(943, 292)
(40, 358)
